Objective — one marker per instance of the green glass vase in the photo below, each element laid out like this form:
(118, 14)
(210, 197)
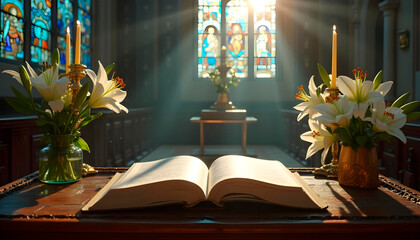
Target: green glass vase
(61, 161)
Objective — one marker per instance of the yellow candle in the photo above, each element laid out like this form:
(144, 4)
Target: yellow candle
(68, 50)
(77, 48)
(223, 55)
(334, 59)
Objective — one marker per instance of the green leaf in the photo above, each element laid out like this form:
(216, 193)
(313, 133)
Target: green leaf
(413, 116)
(324, 75)
(20, 96)
(55, 58)
(82, 144)
(81, 95)
(343, 135)
(378, 80)
(409, 107)
(26, 82)
(42, 122)
(401, 100)
(86, 121)
(318, 92)
(18, 106)
(382, 136)
(109, 68)
(362, 140)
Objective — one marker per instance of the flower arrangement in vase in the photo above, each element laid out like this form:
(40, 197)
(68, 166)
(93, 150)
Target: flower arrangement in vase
(357, 118)
(221, 85)
(62, 112)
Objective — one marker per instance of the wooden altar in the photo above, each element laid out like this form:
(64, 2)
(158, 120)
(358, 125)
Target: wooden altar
(30, 209)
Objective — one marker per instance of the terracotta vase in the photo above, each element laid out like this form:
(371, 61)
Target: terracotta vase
(358, 169)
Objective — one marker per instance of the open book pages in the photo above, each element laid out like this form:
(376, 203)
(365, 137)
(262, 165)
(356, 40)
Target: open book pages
(268, 180)
(186, 179)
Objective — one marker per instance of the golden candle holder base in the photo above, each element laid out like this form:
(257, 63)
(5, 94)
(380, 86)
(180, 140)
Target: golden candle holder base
(328, 170)
(88, 170)
(331, 170)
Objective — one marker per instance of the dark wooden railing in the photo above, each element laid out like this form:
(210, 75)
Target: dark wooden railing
(114, 140)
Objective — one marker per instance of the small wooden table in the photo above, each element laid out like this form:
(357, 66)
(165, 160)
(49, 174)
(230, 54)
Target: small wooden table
(244, 122)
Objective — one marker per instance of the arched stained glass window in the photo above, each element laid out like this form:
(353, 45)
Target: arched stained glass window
(40, 31)
(248, 30)
(64, 20)
(11, 29)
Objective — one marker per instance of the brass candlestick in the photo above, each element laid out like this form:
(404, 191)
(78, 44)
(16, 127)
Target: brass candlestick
(330, 170)
(77, 73)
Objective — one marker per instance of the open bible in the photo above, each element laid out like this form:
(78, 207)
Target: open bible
(187, 180)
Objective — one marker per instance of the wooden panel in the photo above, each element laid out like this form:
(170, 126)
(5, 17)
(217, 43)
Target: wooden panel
(36, 146)
(20, 142)
(21, 152)
(4, 166)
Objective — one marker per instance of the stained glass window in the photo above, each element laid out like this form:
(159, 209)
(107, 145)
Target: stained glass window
(11, 29)
(40, 31)
(43, 34)
(85, 5)
(209, 27)
(248, 32)
(84, 18)
(64, 20)
(237, 36)
(265, 39)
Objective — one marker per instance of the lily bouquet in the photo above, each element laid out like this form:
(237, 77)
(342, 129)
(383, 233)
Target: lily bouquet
(223, 87)
(361, 116)
(60, 113)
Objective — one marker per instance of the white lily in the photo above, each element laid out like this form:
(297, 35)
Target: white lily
(389, 120)
(311, 100)
(339, 112)
(51, 88)
(106, 93)
(359, 92)
(320, 139)
(383, 88)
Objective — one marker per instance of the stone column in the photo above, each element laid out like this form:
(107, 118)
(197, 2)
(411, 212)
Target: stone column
(388, 7)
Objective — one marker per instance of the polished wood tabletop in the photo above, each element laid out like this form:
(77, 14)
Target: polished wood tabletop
(30, 209)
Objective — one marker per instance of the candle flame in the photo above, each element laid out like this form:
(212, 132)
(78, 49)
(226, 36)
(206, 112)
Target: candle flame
(223, 48)
(78, 22)
(334, 28)
(68, 29)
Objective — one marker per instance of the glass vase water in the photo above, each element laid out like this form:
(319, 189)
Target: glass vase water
(61, 161)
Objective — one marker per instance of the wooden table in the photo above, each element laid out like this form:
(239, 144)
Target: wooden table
(30, 209)
(202, 122)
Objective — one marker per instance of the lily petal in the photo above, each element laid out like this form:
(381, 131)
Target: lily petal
(57, 105)
(384, 88)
